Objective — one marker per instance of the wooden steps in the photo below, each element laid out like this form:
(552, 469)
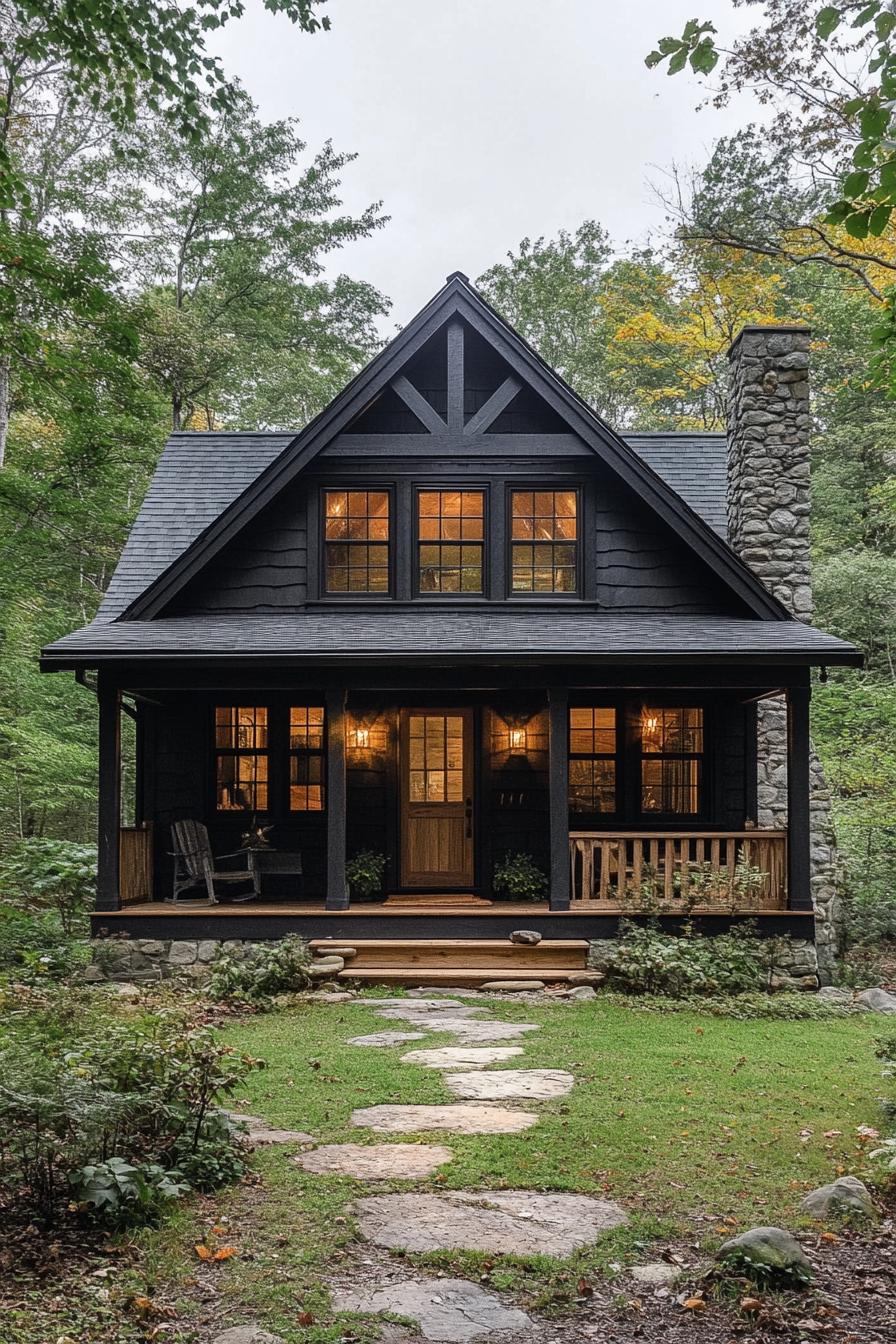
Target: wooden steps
(459, 961)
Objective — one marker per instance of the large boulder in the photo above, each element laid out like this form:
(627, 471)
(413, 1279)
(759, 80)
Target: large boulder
(845, 1197)
(878, 1000)
(834, 994)
(769, 1250)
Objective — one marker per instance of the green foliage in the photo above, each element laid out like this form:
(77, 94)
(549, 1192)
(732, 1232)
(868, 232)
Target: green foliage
(118, 1192)
(517, 877)
(35, 946)
(128, 1107)
(56, 873)
(749, 1006)
(646, 961)
(258, 971)
(365, 872)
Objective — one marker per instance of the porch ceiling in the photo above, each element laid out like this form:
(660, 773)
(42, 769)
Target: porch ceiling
(417, 634)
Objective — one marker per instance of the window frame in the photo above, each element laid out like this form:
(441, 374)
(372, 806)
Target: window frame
(440, 487)
(583, 821)
(556, 486)
(235, 752)
(357, 487)
(704, 758)
(306, 753)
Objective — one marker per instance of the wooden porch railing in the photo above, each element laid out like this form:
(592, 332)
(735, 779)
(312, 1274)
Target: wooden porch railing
(135, 863)
(679, 871)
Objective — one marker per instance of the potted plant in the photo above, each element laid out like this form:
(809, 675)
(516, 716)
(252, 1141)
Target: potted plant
(365, 872)
(517, 877)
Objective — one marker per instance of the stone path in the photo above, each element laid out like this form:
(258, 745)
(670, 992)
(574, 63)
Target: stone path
(391, 1119)
(455, 1056)
(377, 1162)
(507, 1222)
(508, 1084)
(446, 1309)
(512, 1222)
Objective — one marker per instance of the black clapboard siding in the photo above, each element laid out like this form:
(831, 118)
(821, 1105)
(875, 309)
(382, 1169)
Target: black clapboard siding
(265, 571)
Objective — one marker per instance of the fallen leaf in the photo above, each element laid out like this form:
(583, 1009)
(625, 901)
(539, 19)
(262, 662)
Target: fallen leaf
(203, 1252)
(224, 1252)
(694, 1304)
(750, 1305)
(305, 1318)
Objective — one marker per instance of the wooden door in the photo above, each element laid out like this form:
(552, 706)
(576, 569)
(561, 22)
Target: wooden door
(437, 798)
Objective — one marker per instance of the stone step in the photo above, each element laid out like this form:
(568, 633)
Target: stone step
(465, 978)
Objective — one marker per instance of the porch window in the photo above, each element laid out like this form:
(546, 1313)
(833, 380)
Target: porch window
(241, 758)
(306, 758)
(356, 541)
(450, 540)
(544, 541)
(671, 760)
(592, 759)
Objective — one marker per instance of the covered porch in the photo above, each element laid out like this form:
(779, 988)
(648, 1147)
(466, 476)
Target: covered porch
(634, 793)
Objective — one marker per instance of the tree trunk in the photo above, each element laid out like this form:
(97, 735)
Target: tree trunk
(176, 410)
(4, 406)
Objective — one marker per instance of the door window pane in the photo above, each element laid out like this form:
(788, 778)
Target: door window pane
(435, 758)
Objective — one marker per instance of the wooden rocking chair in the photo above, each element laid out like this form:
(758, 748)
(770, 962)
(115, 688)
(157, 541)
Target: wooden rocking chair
(195, 865)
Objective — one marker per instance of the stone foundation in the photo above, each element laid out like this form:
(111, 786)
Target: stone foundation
(793, 962)
(146, 959)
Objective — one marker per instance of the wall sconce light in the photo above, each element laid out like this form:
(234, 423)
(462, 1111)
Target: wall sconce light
(519, 741)
(359, 737)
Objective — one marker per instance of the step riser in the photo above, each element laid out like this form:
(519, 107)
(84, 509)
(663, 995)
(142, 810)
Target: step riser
(463, 979)
(472, 959)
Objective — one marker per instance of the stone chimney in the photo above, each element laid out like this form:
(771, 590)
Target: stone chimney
(768, 460)
(769, 427)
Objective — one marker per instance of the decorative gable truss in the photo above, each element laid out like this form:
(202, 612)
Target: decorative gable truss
(460, 416)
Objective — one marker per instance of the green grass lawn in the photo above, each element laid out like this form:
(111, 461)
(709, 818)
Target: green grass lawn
(687, 1120)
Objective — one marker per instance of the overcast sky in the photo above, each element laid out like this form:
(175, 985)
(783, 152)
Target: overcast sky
(481, 122)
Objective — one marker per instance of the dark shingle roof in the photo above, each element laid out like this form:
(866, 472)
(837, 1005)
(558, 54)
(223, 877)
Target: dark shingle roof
(200, 474)
(197, 477)
(496, 635)
(695, 464)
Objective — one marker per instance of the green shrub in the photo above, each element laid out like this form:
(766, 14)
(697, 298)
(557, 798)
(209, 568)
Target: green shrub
(365, 872)
(747, 1007)
(142, 1094)
(56, 874)
(259, 971)
(36, 946)
(519, 878)
(646, 961)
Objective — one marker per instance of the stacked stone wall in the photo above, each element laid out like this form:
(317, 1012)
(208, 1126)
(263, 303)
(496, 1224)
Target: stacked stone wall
(769, 426)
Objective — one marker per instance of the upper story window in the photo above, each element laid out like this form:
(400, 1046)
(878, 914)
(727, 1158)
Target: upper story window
(544, 541)
(450, 541)
(672, 760)
(241, 758)
(356, 541)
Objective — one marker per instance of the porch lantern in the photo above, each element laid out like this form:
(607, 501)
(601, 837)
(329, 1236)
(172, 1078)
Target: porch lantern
(519, 741)
(514, 739)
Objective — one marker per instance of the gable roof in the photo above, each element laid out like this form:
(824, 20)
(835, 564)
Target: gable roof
(458, 299)
(201, 472)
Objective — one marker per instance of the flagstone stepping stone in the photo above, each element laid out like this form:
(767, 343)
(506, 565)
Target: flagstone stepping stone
(470, 1033)
(248, 1334)
(384, 1038)
(417, 1004)
(456, 1056)
(504, 1084)
(657, 1274)
(260, 1132)
(448, 992)
(502, 1222)
(453, 1119)
(512, 986)
(410, 1012)
(451, 1310)
(378, 1162)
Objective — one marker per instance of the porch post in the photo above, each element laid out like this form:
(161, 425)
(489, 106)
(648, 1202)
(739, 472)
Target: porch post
(337, 892)
(108, 895)
(799, 892)
(558, 757)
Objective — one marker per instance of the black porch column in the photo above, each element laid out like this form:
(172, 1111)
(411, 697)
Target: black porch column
(799, 892)
(108, 896)
(558, 757)
(337, 892)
